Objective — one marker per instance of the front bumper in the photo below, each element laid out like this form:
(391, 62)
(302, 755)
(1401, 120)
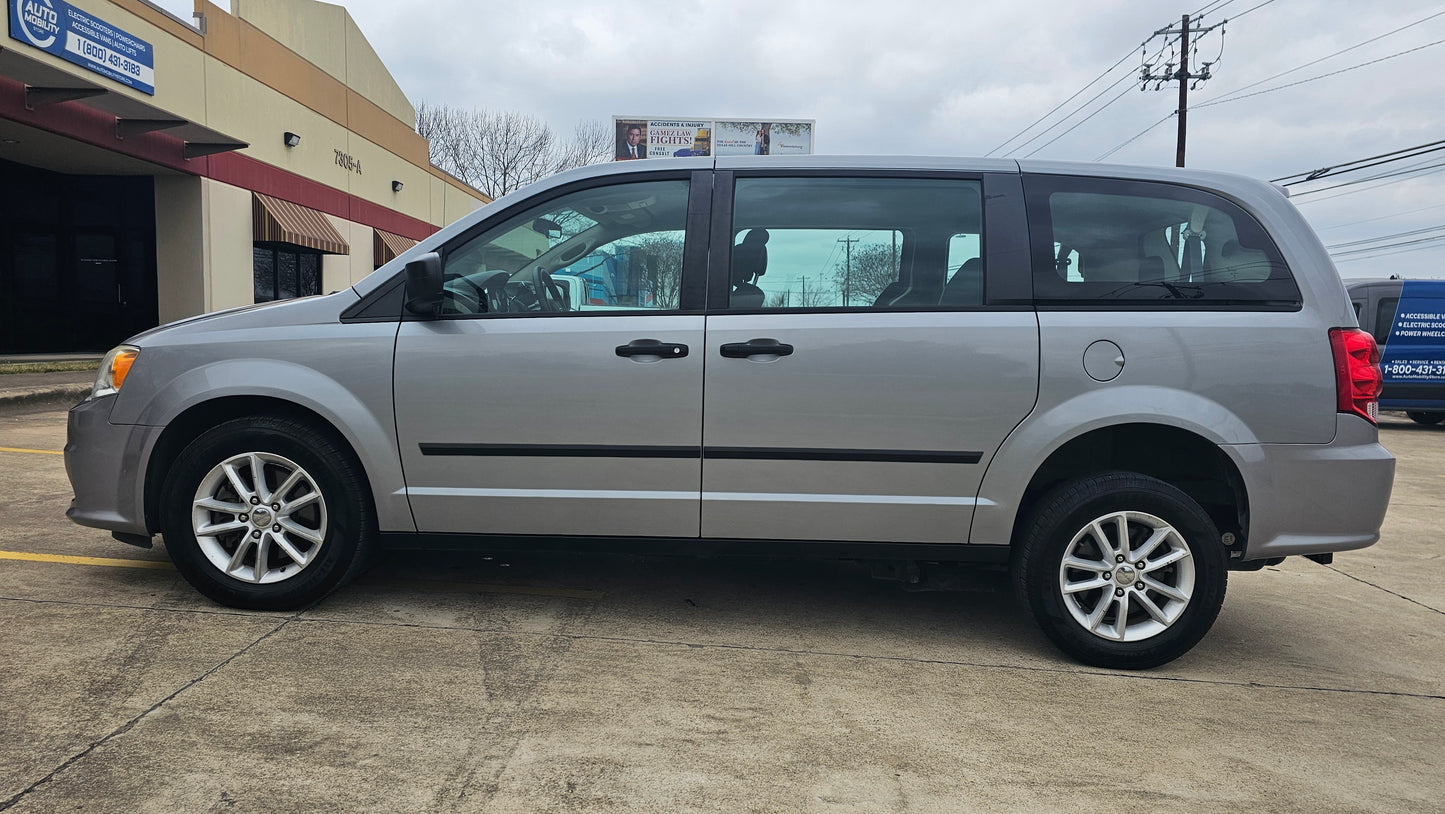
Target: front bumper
(106, 466)
(1315, 499)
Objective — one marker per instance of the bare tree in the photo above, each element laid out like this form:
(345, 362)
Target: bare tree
(660, 266)
(804, 297)
(592, 143)
(501, 151)
(869, 269)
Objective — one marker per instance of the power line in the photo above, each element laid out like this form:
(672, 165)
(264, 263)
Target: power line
(1384, 254)
(1368, 189)
(1144, 57)
(1072, 113)
(1396, 235)
(1222, 96)
(1248, 10)
(1136, 137)
(1380, 218)
(1341, 169)
(1211, 8)
(1076, 95)
(1234, 94)
(1101, 109)
(1321, 76)
(1403, 171)
(1416, 242)
(1184, 74)
(1080, 108)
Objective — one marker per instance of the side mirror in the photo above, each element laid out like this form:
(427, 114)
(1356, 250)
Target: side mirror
(424, 285)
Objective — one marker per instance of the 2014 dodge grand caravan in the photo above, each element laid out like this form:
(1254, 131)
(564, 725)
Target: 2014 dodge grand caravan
(1119, 383)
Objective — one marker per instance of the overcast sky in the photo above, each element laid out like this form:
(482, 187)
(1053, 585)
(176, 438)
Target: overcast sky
(934, 78)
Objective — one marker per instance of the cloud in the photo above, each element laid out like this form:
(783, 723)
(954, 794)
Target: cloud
(914, 77)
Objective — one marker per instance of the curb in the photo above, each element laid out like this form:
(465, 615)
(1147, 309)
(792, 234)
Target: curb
(32, 395)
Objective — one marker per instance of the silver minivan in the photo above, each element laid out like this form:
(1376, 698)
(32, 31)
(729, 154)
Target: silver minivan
(1117, 384)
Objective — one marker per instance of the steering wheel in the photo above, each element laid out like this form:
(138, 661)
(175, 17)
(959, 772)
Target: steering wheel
(549, 295)
(457, 301)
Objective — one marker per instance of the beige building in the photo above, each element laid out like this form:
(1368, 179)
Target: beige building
(154, 168)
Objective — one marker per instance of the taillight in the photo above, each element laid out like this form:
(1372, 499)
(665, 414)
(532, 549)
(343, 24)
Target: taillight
(1357, 373)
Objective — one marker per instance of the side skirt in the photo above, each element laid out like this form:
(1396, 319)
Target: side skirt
(791, 549)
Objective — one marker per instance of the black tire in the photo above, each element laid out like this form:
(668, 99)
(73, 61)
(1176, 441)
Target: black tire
(332, 532)
(1428, 419)
(1062, 522)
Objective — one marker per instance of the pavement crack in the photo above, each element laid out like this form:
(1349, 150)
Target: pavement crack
(478, 781)
(1386, 590)
(901, 659)
(128, 725)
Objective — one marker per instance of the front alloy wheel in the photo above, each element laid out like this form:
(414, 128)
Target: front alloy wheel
(268, 513)
(259, 517)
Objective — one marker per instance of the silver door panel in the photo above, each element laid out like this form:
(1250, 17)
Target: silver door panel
(551, 384)
(861, 384)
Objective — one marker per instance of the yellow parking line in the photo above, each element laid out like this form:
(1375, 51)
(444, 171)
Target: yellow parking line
(31, 451)
(106, 561)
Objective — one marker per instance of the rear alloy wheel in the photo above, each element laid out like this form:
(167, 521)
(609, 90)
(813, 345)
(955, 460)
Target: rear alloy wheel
(1122, 570)
(267, 514)
(1428, 419)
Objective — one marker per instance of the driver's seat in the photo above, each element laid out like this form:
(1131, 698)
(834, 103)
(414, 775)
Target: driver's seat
(750, 261)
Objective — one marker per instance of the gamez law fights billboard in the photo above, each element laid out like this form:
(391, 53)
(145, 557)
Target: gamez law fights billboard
(646, 137)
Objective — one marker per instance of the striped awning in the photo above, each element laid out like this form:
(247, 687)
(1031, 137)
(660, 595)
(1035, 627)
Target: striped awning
(275, 220)
(385, 246)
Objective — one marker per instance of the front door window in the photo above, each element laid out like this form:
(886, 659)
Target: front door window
(616, 248)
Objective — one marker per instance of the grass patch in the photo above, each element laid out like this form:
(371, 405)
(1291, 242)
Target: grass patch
(49, 367)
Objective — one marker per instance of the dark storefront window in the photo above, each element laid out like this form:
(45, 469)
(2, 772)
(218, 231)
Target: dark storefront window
(281, 271)
(77, 260)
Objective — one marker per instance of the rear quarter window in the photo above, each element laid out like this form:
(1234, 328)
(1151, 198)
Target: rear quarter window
(1133, 244)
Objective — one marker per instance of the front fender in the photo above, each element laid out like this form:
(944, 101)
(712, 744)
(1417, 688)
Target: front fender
(354, 398)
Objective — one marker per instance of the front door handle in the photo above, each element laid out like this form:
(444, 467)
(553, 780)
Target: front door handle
(652, 347)
(756, 347)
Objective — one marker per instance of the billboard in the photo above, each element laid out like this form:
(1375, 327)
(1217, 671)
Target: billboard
(647, 137)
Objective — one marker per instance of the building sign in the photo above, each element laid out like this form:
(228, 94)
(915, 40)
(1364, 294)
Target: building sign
(61, 29)
(641, 137)
(347, 161)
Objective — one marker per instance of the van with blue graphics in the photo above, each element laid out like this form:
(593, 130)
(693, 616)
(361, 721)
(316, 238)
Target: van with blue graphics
(1407, 318)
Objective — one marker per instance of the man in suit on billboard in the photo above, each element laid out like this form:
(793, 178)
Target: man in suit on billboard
(633, 146)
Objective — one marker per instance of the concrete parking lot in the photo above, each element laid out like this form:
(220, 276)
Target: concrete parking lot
(616, 683)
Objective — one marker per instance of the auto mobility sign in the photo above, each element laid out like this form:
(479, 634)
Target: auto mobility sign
(61, 29)
(1414, 351)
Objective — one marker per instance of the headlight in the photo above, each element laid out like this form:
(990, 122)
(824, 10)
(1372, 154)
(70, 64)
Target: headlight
(113, 370)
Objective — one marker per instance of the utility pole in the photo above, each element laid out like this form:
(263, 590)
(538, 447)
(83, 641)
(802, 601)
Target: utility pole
(1184, 75)
(847, 263)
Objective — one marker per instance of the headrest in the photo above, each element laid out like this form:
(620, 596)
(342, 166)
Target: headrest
(750, 258)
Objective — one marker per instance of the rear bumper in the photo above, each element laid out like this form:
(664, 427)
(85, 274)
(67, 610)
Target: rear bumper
(1314, 499)
(105, 463)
